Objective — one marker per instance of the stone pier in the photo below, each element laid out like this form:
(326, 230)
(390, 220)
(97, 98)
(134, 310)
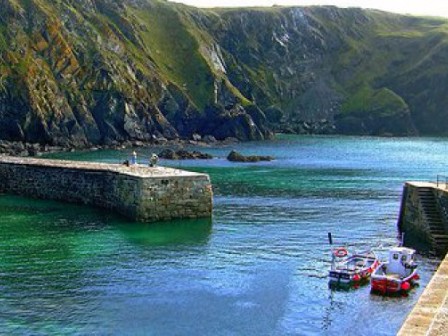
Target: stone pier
(429, 317)
(138, 192)
(424, 222)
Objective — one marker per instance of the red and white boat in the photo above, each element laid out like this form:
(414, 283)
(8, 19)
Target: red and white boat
(398, 274)
(351, 269)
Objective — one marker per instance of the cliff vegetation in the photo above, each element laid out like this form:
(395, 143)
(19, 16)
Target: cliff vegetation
(77, 73)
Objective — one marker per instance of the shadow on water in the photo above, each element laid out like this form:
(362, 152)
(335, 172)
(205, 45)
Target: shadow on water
(341, 287)
(44, 214)
(177, 232)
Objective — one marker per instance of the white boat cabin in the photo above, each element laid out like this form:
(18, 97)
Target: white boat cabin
(401, 260)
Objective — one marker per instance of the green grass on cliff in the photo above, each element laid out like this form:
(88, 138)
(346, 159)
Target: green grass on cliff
(382, 102)
(392, 50)
(3, 43)
(176, 52)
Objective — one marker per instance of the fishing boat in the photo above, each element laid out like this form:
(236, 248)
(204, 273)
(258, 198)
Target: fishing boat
(398, 274)
(349, 269)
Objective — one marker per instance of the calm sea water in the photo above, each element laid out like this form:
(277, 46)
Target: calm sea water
(258, 267)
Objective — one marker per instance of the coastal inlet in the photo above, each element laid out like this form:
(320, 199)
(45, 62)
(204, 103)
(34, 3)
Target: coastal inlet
(259, 267)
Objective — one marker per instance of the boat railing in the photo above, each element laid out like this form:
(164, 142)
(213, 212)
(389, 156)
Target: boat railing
(442, 181)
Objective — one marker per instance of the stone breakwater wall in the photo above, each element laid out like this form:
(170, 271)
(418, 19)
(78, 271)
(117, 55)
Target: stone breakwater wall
(424, 217)
(137, 192)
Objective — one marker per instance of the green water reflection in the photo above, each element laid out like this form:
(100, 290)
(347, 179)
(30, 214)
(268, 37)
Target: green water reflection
(178, 232)
(56, 259)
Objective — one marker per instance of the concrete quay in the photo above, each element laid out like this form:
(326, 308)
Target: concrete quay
(429, 317)
(138, 192)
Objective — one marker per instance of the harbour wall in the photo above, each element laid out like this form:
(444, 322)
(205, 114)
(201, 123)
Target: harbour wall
(423, 220)
(140, 193)
(429, 317)
(424, 217)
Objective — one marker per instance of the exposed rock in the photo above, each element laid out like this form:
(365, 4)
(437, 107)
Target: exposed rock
(237, 157)
(182, 154)
(15, 148)
(209, 139)
(308, 127)
(196, 137)
(230, 141)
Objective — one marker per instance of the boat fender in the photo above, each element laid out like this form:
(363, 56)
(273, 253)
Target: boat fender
(405, 286)
(340, 252)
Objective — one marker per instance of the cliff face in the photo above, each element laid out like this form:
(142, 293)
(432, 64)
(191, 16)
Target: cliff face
(83, 72)
(350, 71)
(97, 71)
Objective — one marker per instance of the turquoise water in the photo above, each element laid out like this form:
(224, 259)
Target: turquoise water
(257, 268)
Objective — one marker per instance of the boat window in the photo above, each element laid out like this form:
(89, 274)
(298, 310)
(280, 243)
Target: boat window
(403, 258)
(395, 256)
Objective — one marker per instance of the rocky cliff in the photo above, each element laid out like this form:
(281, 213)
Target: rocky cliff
(350, 71)
(83, 72)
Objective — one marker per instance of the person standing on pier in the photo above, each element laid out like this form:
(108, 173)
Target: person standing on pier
(134, 158)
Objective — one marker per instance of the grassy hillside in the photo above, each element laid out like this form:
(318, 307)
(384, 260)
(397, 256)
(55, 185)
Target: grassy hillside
(77, 73)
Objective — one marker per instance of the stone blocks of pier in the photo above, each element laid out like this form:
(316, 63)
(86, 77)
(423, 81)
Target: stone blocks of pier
(137, 192)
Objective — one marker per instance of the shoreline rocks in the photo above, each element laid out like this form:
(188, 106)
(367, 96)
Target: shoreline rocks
(25, 149)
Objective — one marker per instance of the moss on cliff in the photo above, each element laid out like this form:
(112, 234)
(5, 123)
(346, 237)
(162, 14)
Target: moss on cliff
(382, 102)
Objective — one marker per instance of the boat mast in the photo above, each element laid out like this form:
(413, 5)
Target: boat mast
(330, 240)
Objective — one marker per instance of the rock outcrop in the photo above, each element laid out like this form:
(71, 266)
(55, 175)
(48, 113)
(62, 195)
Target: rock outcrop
(234, 156)
(183, 154)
